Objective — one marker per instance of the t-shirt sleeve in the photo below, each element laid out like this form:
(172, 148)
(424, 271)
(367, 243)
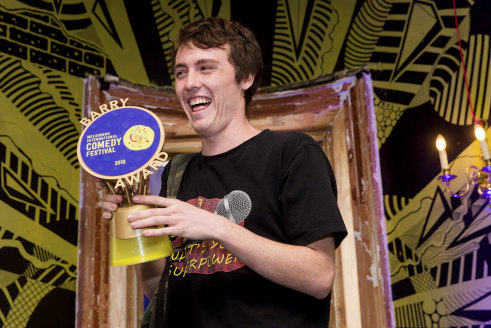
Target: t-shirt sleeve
(308, 198)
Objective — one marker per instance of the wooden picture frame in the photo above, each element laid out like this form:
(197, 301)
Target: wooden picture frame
(338, 112)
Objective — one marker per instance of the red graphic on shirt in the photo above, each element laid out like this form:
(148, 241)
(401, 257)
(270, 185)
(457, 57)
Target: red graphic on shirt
(203, 257)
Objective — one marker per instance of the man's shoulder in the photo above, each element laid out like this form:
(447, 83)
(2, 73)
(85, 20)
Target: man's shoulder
(290, 140)
(290, 137)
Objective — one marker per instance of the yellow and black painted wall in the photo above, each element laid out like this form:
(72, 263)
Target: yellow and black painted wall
(439, 247)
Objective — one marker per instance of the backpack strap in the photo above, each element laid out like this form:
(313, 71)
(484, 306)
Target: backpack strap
(177, 168)
(152, 318)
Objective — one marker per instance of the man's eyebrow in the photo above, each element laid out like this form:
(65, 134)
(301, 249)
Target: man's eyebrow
(206, 61)
(199, 62)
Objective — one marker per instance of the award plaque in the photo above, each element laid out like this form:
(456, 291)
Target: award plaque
(122, 145)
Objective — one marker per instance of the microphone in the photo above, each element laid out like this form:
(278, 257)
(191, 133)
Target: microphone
(235, 206)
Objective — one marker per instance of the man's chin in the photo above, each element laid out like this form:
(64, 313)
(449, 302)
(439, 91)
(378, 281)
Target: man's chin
(200, 129)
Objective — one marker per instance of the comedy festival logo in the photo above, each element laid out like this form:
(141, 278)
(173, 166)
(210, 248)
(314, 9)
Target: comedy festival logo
(121, 143)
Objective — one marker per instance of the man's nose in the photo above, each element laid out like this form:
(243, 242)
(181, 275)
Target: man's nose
(192, 80)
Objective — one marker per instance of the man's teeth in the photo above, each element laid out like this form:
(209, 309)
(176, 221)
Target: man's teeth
(199, 101)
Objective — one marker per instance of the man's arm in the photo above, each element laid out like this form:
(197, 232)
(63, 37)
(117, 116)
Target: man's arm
(149, 274)
(308, 269)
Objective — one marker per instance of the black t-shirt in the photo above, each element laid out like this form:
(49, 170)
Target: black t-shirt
(277, 185)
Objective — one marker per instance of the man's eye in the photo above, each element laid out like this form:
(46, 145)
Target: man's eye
(206, 68)
(179, 73)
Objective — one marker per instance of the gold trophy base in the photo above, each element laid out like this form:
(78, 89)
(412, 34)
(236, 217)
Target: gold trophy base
(128, 246)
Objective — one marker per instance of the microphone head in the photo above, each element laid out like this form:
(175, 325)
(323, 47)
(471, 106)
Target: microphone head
(235, 206)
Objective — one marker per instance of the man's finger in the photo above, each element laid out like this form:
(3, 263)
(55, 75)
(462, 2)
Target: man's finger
(109, 206)
(107, 215)
(156, 232)
(152, 221)
(113, 198)
(153, 200)
(148, 213)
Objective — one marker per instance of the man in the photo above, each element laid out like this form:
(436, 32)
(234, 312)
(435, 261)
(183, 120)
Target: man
(256, 216)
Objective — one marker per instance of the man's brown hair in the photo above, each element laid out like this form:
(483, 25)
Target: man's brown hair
(245, 53)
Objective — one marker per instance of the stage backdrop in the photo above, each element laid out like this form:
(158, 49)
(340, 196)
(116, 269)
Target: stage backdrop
(440, 253)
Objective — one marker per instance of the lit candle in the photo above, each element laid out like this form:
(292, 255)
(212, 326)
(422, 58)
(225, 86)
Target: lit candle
(481, 137)
(441, 145)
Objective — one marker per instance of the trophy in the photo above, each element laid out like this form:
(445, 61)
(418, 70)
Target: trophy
(122, 145)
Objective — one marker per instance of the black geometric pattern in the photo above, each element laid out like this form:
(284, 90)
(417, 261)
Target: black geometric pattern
(21, 87)
(41, 40)
(447, 88)
(39, 198)
(299, 46)
(38, 273)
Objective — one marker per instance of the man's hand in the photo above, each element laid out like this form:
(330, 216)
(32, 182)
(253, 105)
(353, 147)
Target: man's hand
(110, 204)
(149, 272)
(106, 200)
(179, 218)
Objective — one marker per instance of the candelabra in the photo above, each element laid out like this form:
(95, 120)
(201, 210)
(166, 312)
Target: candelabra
(480, 178)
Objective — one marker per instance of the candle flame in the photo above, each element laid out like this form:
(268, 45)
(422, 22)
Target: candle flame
(440, 143)
(479, 132)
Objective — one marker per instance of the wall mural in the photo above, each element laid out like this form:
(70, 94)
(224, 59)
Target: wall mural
(440, 253)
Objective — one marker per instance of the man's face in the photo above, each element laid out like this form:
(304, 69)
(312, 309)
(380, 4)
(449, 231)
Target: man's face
(206, 87)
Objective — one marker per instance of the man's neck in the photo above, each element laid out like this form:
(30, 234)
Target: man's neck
(228, 139)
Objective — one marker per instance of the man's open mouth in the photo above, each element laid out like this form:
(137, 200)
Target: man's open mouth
(199, 103)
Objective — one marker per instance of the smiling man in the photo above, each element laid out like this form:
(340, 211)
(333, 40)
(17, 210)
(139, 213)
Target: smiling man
(255, 223)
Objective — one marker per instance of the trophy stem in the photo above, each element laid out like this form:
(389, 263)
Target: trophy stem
(140, 183)
(110, 186)
(145, 186)
(126, 194)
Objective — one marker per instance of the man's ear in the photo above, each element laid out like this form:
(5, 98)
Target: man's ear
(247, 82)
